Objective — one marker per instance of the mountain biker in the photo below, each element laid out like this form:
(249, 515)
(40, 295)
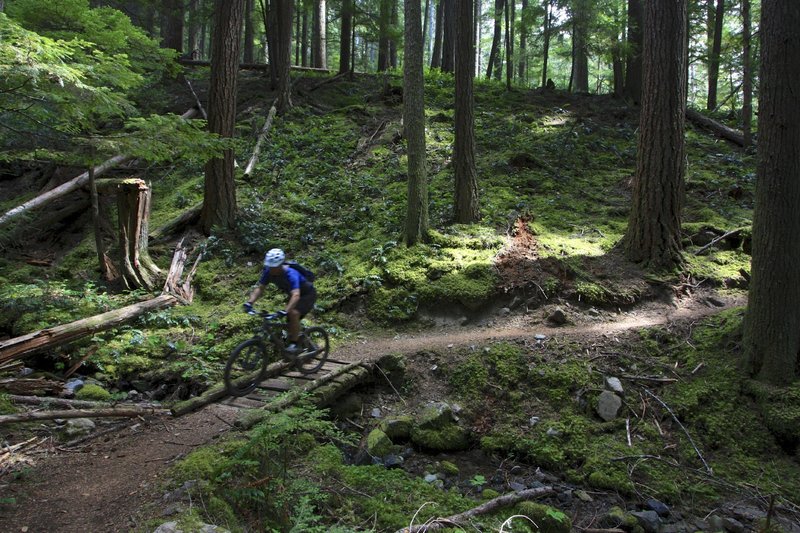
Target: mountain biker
(300, 290)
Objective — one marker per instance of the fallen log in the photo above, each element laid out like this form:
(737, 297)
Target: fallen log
(506, 500)
(30, 386)
(732, 233)
(190, 217)
(720, 129)
(129, 412)
(73, 184)
(72, 404)
(253, 417)
(329, 80)
(218, 391)
(248, 66)
(58, 335)
(261, 136)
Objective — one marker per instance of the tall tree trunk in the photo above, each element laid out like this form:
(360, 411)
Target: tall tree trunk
(268, 11)
(247, 56)
(771, 343)
(304, 48)
(633, 68)
(617, 64)
(219, 199)
(580, 57)
(494, 52)
(345, 30)
(384, 19)
(654, 229)
(193, 44)
(509, 43)
(436, 55)
(393, 41)
(414, 124)
(747, 75)
(283, 53)
(476, 32)
(548, 6)
(522, 71)
(173, 32)
(320, 53)
(713, 60)
(466, 174)
(425, 27)
(203, 40)
(449, 36)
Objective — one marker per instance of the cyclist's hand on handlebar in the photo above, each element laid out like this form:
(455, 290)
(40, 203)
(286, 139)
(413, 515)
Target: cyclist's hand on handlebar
(248, 308)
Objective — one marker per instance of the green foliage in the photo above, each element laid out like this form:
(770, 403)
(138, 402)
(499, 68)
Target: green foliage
(6, 407)
(93, 392)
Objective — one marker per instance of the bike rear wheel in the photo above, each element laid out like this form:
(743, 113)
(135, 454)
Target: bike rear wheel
(315, 345)
(246, 367)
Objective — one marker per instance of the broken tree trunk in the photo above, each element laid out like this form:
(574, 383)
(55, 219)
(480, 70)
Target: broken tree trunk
(73, 184)
(174, 284)
(505, 500)
(263, 135)
(129, 412)
(55, 336)
(133, 202)
(720, 129)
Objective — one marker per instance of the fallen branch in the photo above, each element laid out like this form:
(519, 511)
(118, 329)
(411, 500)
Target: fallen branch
(732, 233)
(81, 413)
(329, 80)
(648, 378)
(261, 136)
(190, 217)
(73, 184)
(45, 338)
(196, 98)
(72, 404)
(249, 66)
(720, 129)
(659, 400)
(505, 500)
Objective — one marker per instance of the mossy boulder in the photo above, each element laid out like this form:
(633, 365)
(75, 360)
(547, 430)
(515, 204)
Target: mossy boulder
(398, 427)
(448, 468)
(549, 519)
(618, 518)
(94, 393)
(436, 416)
(378, 443)
(448, 438)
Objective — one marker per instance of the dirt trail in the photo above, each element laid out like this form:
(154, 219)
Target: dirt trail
(102, 486)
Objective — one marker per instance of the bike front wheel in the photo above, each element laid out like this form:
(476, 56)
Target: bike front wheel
(315, 346)
(246, 367)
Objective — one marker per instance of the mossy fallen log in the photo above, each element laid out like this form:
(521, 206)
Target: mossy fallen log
(355, 372)
(128, 412)
(58, 335)
(717, 127)
(218, 392)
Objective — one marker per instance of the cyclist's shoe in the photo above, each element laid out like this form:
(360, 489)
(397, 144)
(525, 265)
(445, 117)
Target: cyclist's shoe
(293, 348)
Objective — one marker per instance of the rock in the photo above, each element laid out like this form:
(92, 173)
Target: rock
(25, 371)
(378, 443)
(649, 520)
(716, 523)
(393, 461)
(614, 385)
(558, 317)
(540, 337)
(733, 525)
(711, 301)
(397, 428)
(660, 508)
(78, 427)
(505, 311)
(583, 496)
(533, 421)
(430, 478)
(617, 518)
(435, 416)
(608, 405)
(448, 468)
(172, 527)
(463, 321)
(594, 312)
(375, 413)
(516, 486)
(565, 497)
(678, 527)
(547, 518)
(553, 432)
(168, 527)
(71, 387)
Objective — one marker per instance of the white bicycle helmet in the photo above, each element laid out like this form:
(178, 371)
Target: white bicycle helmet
(274, 258)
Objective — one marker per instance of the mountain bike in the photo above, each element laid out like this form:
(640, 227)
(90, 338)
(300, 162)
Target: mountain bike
(247, 364)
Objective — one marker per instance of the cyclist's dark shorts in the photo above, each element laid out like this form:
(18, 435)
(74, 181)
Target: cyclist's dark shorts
(307, 300)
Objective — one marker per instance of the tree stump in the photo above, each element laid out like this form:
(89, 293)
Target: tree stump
(133, 202)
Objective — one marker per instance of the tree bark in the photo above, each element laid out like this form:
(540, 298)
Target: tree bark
(194, 30)
(283, 29)
(713, 58)
(720, 129)
(173, 33)
(436, 55)
(393, 40)
(47, 338)
(747, 76)
(384, 17)
(133, 207)
(219, 199)
(494, 52)
(653, 236)
(548, 6)
(580, 57)
(522, 72)
(247, 54)
(448, 36)
(633, 68)
(771, 343)
(346, 29)
(414, 125)
(509, 44)
(466, 175)
(320, 35)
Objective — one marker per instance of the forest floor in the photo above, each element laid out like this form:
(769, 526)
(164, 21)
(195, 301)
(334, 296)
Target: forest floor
(106, 482)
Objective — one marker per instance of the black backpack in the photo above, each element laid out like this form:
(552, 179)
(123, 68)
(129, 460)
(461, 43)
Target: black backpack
(310, 277)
